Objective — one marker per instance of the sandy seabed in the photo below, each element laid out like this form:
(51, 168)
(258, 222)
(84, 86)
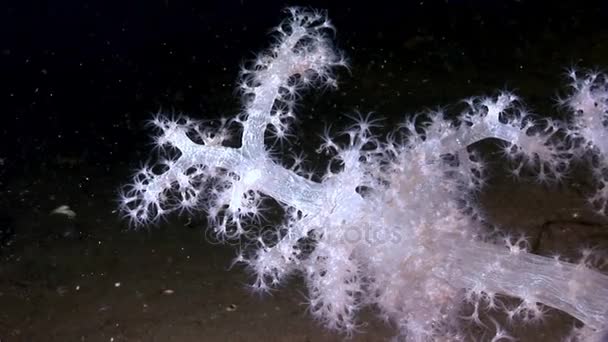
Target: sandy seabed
(93, 279)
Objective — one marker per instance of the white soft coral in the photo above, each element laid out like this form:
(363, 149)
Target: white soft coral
(386, 227)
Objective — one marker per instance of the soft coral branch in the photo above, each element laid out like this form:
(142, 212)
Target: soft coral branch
(387, 226)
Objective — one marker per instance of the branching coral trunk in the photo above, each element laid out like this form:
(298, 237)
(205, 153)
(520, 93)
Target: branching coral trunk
(572, 288)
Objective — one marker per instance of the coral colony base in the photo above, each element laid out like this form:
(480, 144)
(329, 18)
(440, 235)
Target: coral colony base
(413, 190)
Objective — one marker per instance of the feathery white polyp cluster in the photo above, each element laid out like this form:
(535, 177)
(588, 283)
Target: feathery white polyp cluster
(395, 225)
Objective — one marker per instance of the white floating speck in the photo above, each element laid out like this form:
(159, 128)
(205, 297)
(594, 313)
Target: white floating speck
(64, 210)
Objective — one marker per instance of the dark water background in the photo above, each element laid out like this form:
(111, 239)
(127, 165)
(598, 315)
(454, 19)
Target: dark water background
(79, 78)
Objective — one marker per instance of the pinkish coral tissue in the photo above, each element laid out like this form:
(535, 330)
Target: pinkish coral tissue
(413, 190)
